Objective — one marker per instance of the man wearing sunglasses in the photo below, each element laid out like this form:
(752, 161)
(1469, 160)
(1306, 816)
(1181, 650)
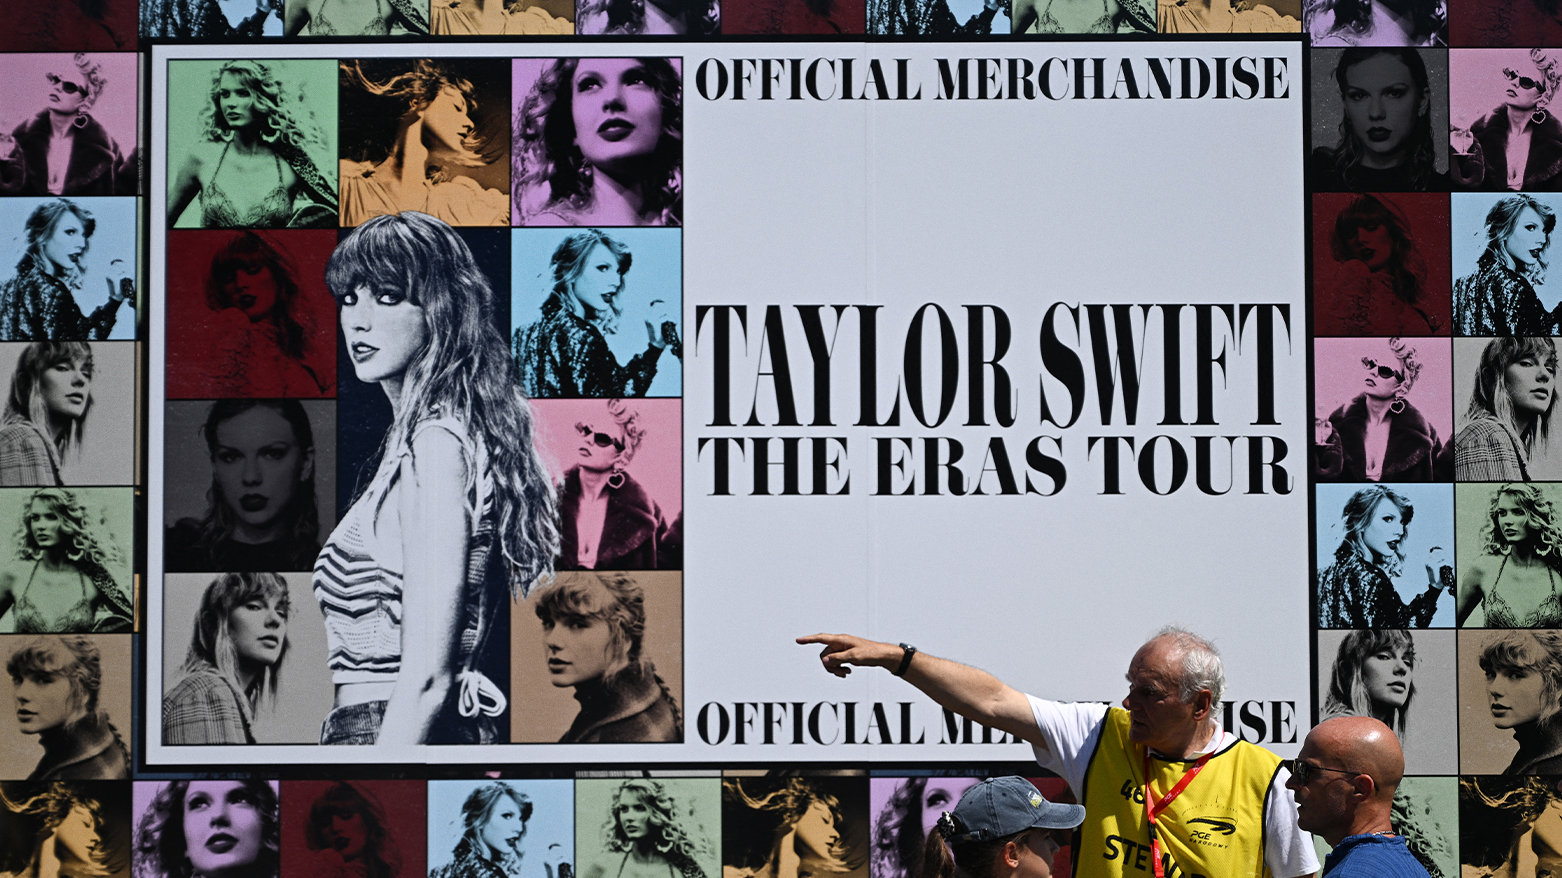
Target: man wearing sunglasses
(1215, 805)
(1344, 780)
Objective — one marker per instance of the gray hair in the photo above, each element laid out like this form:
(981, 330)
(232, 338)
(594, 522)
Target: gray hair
(1201, 665)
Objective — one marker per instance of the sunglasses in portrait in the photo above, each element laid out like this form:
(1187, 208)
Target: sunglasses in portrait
(1534, 85)
(1384, 372)
(602, 440)
(1304, 771)
(65, 85)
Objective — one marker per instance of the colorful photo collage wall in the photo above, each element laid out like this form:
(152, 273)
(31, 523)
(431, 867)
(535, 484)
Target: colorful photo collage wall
(360, 305)
(695, 827)
(1434, 172)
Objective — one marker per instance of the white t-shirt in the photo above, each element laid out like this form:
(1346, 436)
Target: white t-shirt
(1071, 731)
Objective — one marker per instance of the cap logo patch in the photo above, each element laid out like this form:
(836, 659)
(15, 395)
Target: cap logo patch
(1035, 800)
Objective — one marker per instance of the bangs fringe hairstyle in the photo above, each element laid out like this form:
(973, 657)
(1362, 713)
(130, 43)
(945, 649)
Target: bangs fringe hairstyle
(1501, 221)
(77, 660)
(1490, 397)
(617, 601)
(1348, 691)
(302, 515)
(161, 849)
(249, 252)
(479, 807)
(26, 398)
(385, 103)
(1406, 269)
(1358, 514)
(671, 840)
(1427, 18)
(1529, 651)
(758, 811)
(569, 263)
(1545, 539)
(380, 856)
(463, 372)
(41, 224)
(549, 168)
(88, 542)
(1421, 159)
(211, 643)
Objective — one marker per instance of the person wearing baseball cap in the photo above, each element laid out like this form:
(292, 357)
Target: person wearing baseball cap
(1001, 828)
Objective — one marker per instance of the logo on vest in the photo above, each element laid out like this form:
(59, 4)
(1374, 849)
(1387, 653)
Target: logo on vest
(1206, 831)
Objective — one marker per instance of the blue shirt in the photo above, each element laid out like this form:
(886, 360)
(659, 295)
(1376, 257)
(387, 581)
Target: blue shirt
(1373, 856)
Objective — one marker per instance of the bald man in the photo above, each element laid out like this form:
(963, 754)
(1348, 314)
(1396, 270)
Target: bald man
(1344, 780)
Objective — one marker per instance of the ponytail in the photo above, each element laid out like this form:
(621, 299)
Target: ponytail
(971, 859)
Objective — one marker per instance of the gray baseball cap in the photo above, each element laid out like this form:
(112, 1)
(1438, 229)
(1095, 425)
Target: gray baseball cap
(1000, 806)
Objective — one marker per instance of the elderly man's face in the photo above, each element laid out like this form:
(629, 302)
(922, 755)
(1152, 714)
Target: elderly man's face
(1158, 717)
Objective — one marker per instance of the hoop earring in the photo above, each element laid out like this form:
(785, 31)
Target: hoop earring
(616, 480)
(1539, 117)
(1398, 405)
(80, 121)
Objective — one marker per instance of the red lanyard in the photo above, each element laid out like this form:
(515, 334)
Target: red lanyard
(1153, 806)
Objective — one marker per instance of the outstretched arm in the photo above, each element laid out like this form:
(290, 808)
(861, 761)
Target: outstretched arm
(970, 692)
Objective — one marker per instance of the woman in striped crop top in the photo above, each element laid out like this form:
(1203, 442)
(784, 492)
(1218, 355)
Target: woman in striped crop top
(459, 470)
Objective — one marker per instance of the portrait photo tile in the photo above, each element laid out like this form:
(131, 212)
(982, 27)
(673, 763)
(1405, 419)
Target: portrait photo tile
(21, 753)
(548, 705)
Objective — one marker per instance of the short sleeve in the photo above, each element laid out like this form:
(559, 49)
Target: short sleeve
(1288, 850)
(1071, 730)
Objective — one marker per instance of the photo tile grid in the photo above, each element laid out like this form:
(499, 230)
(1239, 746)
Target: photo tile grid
(1352, 299)
(1418, 235)
(312, 285)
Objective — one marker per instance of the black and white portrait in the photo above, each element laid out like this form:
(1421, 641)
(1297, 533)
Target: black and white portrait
(211, 19)
(786, 827)
(1506, 390)
(69, 269)
(1404, 678)
(71, 696)
(65, 828)
(244, 659)
(1374, 111)
(501, 829)
(598, 313)
(207, 828)
(648, 828)
(1509, 685)
(597, 657)
(251, 484)
(69, 564)
(452, 516)
(1385, 556)
(68, 415)
(617, 467)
